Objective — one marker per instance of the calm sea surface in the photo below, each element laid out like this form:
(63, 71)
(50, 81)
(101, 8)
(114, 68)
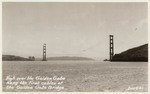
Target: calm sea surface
(98, 76)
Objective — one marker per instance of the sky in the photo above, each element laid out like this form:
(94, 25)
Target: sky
(72, 29)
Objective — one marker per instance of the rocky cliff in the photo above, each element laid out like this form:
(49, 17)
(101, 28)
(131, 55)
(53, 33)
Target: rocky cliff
(135, 54)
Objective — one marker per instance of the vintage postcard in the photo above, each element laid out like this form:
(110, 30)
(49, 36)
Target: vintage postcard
(74, 47)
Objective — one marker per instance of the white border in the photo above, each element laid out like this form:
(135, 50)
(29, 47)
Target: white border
(72, 1)
(75, 0)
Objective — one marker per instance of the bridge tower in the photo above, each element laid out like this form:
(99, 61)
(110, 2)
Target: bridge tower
(111, 47)
(44, 52)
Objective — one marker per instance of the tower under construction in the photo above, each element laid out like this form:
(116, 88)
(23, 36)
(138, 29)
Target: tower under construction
(44, 52)
(111, 47)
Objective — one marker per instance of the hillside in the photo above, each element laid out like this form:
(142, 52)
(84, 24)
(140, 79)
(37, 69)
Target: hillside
(13, 58)
(135, 54)
(68, 58)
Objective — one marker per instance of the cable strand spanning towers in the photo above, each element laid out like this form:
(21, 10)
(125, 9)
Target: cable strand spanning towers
(111, 52)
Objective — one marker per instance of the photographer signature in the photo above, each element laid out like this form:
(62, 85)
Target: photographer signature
(135, 88)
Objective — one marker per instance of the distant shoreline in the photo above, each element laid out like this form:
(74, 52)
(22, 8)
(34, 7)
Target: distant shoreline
(62, 58)
(137, 54)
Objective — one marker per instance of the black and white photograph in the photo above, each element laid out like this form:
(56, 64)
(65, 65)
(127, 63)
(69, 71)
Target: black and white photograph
(74, 47)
